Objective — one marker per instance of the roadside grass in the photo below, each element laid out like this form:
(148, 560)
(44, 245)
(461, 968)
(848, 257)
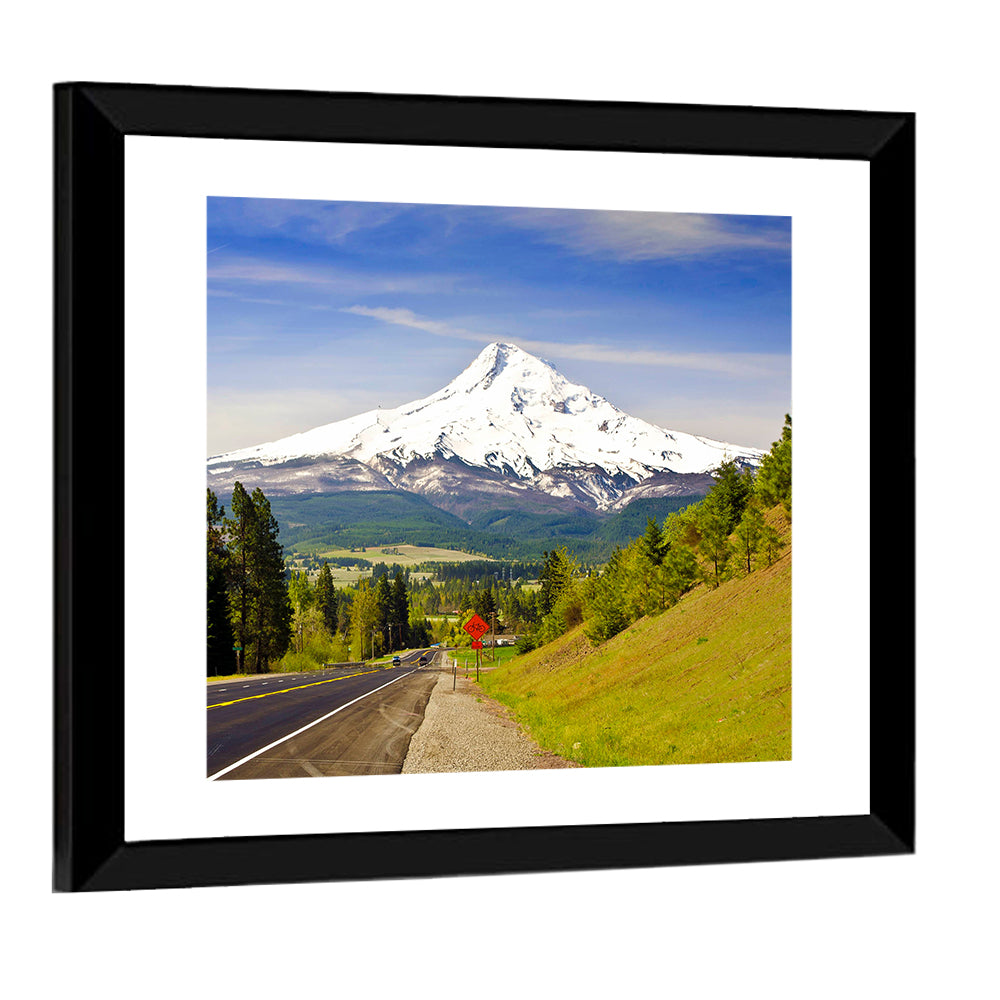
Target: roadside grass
(707, 681)
(466, 658)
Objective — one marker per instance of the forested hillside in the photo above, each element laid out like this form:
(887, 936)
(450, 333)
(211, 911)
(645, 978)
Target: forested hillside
(679, 649)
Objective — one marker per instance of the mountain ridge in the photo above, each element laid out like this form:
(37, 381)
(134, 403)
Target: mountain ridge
(509, 427)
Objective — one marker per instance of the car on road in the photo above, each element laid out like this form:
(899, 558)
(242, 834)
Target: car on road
(395, 661)
(422, 662)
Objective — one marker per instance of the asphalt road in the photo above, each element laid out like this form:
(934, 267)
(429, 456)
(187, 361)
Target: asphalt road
(345, 720)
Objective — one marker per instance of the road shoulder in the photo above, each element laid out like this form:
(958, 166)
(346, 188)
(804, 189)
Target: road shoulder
(464, 730)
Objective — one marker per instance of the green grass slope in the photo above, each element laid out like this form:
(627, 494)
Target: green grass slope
(707, 681)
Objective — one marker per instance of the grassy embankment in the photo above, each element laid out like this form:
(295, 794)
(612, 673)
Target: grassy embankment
(706, 681)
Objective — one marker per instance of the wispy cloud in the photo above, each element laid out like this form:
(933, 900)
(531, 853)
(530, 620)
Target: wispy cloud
(306, 221)
(221, 293)
(740, 364)
(637, 236)
(263, 272)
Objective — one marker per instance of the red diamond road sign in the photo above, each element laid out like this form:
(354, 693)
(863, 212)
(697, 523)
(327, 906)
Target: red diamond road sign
(476, 627)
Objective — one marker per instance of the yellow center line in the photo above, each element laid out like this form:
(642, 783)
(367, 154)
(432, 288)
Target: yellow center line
(298, 687)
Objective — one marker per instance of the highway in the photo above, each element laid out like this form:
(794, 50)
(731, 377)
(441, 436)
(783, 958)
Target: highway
(340, 721)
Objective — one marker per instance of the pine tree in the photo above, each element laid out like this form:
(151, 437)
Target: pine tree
(557, 574)
(219, 629)
(273, 610)
(731, 492)
(714, 544)
(774, 479)
(654, 548)
(400, 612)
(771, 543)
(383, 613)
(325, 596)
(608, 613)
(680, 570)
(260, 610)
(240, 528)
(749, 534)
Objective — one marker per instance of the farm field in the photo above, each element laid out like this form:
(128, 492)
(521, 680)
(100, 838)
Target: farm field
(402, 555)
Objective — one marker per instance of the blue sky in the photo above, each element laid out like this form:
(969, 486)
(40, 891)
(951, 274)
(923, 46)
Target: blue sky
(319, 310)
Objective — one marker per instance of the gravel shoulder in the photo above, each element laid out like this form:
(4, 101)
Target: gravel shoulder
(464, 730)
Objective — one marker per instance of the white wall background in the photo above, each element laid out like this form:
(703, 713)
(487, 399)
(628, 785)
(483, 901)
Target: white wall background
(860, 928)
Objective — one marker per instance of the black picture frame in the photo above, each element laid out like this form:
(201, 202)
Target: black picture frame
(91, 121)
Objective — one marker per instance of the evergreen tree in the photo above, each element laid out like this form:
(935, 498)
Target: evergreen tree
(730, 494)
(220, 657)
(654, 545)
(260, 610)
(771, 543)
(714, 544)
(383, 613)
(608, 612)
(400, 604)
(680, 570)
(654, 548)
(774, 479)
(557, 573)
(325, 596)
(272, 615)
(345, 604)
(749, 534)
(240, 528)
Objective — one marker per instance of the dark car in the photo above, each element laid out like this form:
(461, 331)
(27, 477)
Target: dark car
(395, 661)
(422, 662)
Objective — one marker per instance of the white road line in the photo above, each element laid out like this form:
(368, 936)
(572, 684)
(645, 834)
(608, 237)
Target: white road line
(271, 746)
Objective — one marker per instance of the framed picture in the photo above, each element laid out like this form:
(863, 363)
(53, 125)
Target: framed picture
(452, 332)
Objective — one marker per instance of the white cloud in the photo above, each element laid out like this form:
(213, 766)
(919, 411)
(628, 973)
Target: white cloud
(254, 271)
(309, 221)
(635, 236)
(739, 364)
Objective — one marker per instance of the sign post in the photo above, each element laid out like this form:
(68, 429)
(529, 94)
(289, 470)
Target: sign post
(477, 628)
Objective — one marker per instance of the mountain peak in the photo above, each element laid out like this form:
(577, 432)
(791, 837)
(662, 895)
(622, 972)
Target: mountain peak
(513, 413)
(512, 366)
(498, 355)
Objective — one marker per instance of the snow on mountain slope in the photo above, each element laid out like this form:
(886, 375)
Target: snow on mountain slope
(512, 413)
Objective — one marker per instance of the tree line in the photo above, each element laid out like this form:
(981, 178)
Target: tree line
(724, 535)
(261, 616)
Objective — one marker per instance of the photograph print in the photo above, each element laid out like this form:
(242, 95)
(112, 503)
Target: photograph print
(495, 488)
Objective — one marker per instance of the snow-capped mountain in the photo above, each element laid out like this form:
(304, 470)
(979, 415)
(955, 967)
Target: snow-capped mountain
(510, 422)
